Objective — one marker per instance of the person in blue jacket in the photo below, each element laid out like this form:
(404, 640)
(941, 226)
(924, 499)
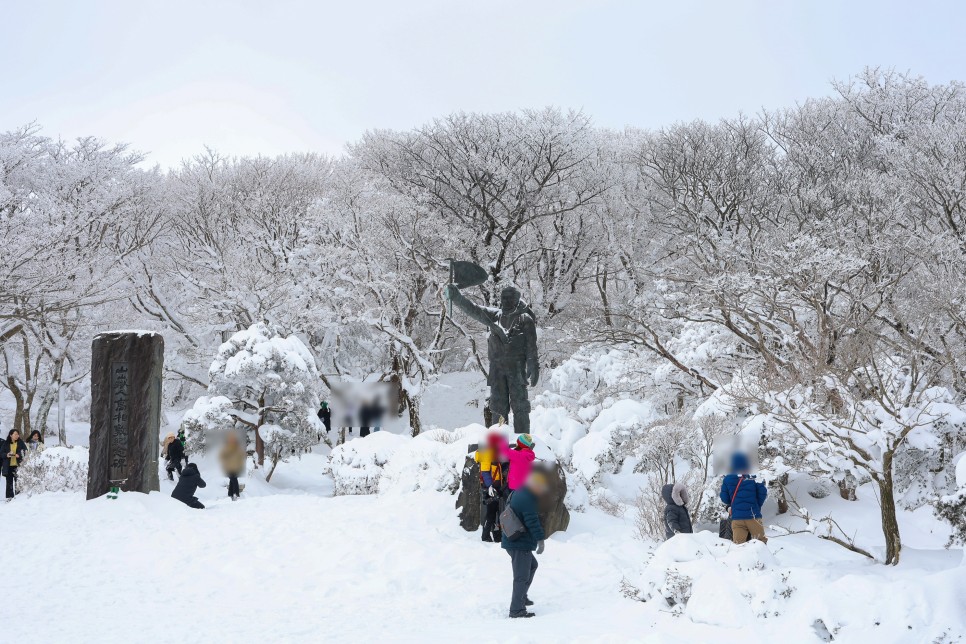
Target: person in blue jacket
(524, 503)
(744, 497)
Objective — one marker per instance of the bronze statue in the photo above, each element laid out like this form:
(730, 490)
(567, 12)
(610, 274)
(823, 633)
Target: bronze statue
(511, 348)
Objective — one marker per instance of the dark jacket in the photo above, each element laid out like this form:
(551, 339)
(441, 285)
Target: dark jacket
(5, 448)
(676, 517)
(524, 503)
(188, 484)
(748, 494)
(175, 451)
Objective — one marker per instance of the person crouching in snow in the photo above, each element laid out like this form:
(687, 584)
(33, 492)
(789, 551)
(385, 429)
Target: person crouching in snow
(744, 496)
(676, 517)
(521, 459)
(232, 457)
(491, 485)
(523, 502)
(187, 485)
(173, 453)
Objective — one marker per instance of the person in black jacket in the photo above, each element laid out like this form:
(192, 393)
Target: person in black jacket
(187, 485)
(676, 517)
(173, 454)
(523, 502)
(12, 451)
(325, 415)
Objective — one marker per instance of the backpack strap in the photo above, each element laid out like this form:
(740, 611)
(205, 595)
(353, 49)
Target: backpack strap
(732, 504)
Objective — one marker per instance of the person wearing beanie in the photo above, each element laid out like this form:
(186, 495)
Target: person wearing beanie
(744, 497)
(521, 460)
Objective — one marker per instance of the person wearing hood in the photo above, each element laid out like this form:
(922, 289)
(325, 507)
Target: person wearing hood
(744, 497)
(676, 517)
(12, 451)
(521, 459)
(173, 453)
(232, 457)
(187, 485)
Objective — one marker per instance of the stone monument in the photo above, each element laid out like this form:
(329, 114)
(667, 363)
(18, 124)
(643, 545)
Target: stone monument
(125, 412)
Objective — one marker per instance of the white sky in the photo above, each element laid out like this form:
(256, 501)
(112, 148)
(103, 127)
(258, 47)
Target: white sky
(271, 76)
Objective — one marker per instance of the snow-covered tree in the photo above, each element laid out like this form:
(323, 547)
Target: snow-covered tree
(272, 384)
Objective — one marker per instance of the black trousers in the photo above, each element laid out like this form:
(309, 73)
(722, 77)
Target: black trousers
(233, 485)
(524, 565)
(11, 478)
(172, 466)
(491, 508)
(363, 432)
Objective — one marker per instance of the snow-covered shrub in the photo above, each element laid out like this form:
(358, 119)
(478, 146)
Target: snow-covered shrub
(607, 502)
(357, 465)
(209, 418)
(431, 461)
(649, 508)
(55, 469)
(612, 438)
(952, 507)
(273, 384)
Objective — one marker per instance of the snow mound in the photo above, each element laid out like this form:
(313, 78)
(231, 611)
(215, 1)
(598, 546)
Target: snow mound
(431, 461)
(357, 465)
(591, 453)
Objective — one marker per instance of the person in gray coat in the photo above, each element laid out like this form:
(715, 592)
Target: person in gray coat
(676, 517)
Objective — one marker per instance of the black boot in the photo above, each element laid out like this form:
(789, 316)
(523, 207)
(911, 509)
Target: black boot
(524, 614)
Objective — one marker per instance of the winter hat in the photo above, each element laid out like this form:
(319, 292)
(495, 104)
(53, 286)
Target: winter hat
(525, 440)
(739, 462)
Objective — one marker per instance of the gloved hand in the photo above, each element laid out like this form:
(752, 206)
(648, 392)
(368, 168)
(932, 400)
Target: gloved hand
(533, 375)
(492, 491)
(540, 547)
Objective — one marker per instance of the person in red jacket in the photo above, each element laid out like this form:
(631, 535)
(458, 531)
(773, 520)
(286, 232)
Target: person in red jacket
(521, 459)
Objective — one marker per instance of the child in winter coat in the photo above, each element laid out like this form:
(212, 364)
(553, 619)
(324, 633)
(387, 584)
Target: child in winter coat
(492, 485)
(232, 457)
(744, 496)
(521, 459)
(187, 485)
(676, 517)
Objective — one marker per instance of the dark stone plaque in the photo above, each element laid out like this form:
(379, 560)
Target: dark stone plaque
(125, 411)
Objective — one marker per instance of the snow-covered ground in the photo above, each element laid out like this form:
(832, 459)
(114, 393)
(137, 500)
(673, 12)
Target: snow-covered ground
(291, 562)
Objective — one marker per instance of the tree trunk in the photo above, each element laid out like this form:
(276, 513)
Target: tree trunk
(61, 416)
(44, 412)
(890, 523)
(268, 477)
(413, 405)
(259, 443)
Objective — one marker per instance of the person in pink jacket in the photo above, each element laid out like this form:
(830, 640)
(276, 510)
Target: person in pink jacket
(521, 459)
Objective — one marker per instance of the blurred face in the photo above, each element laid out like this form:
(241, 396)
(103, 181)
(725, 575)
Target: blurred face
(509, 299)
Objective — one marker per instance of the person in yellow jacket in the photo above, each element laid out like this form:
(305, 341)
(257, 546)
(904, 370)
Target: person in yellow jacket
(492, 485)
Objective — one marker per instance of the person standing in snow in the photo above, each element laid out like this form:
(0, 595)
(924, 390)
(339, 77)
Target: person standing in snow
(187, 485)
(676, 517)
(521, 459)
(35, 442)
(325, 415)
(12, 451)
(744, 496)
(173, 453)
(492, 485)
(524, 503)
(232, 457)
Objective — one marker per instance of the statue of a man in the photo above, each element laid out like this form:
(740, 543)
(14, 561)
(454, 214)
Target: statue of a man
(512, 350)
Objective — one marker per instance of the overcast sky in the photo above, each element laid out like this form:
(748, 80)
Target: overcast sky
(273, 76)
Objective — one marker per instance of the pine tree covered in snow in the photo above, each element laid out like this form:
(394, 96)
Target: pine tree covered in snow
(272, 385)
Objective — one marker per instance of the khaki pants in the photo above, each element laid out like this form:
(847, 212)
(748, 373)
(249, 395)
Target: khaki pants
(743, 529)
